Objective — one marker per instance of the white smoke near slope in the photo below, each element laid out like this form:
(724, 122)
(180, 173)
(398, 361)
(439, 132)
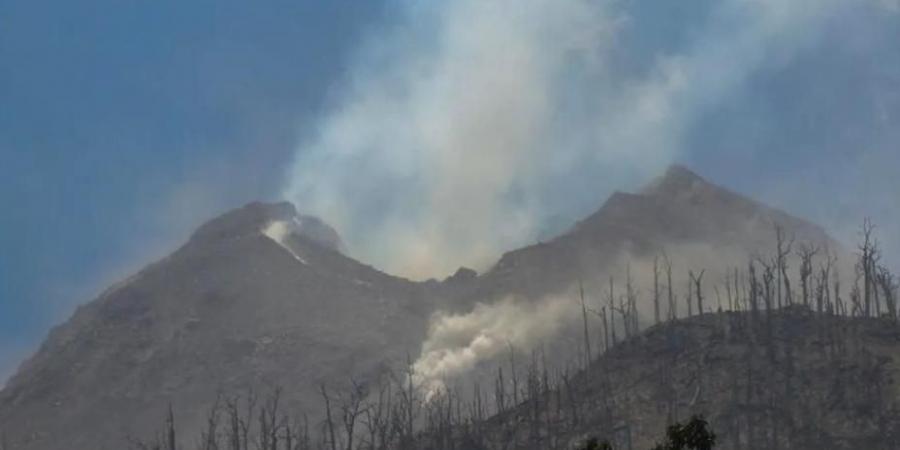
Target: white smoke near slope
(279, 231)
(456, 343)
(461, 130)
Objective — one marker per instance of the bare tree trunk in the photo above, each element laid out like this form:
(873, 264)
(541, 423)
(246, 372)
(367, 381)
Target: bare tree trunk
(673, 306)
(781, 269)
(866, 265)
(698, 289)
(329, 421)
(210, 435)
(656, 290)
(605, 329)
(886, 282)
(234, 424)
(499, 392)
(587, 339)
(351, 410)
(631, 296)
(612, 308)
(690, 294)
(515, 377)
(806, 254)
(170, 429)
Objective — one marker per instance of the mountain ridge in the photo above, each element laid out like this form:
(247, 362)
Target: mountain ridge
(236, 306)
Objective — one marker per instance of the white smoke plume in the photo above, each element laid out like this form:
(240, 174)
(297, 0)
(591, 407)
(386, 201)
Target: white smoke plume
(463, 128)
(279, 231)
(456, 343)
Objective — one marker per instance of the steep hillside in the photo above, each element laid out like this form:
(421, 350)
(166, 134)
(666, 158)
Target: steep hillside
(788, 379)
(699, 224)
(231, 309)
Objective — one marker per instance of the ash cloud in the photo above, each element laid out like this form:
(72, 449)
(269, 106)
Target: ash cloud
(466, 126)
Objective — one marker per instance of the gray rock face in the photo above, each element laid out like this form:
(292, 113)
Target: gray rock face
(243, 305)
(697, 223)
(229, 310)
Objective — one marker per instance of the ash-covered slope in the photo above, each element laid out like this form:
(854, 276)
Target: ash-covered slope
(262, 297)
(256, 298)
(698, 224)
(789, 379)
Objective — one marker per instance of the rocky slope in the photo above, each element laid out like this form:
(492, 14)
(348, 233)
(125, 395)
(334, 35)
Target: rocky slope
(699, 224)
(791, 379)
(231, 309)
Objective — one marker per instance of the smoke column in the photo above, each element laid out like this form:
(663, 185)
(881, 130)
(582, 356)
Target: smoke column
(464, 127)
(457, 342)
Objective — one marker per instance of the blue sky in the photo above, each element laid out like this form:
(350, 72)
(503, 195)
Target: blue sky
(124, 124)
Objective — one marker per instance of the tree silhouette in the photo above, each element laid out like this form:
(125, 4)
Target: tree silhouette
(595, 444)
(694, 435)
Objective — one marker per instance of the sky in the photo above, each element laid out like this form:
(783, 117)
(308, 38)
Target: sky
(125, 124)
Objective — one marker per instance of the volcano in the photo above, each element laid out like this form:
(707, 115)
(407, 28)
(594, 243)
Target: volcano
(263, 296)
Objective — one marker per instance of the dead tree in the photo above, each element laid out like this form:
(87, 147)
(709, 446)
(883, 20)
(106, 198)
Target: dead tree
(297, 436)
(631, 294)
(689, 298)
(499, 392)
(807, 253)
(605, 328)
(656, 290)
(623, 311)
(329, 420)
(378, 419)
(855, 295)
(886, 282)
(234, 423)
(866, 258)
(754, 294)
(840, 307)
(768, 285)
(210, 435)
(611, 298)
(514, 376)
(728, 296)
(823, 285)
(269, 422)
(604, 331)
(698, 289)
(351, 409)
(783, 249)
(670, 289)
(587, 338)
(406, 410)
(170, 429)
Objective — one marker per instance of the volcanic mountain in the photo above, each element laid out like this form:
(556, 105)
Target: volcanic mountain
(263, 296)
(246, 302)
(697, 224)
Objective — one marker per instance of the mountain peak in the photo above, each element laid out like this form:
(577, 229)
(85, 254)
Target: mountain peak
(259, 217)
(676, 179)
(250, 218)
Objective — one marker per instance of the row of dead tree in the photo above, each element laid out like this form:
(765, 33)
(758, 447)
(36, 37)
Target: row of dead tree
(531, 405)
